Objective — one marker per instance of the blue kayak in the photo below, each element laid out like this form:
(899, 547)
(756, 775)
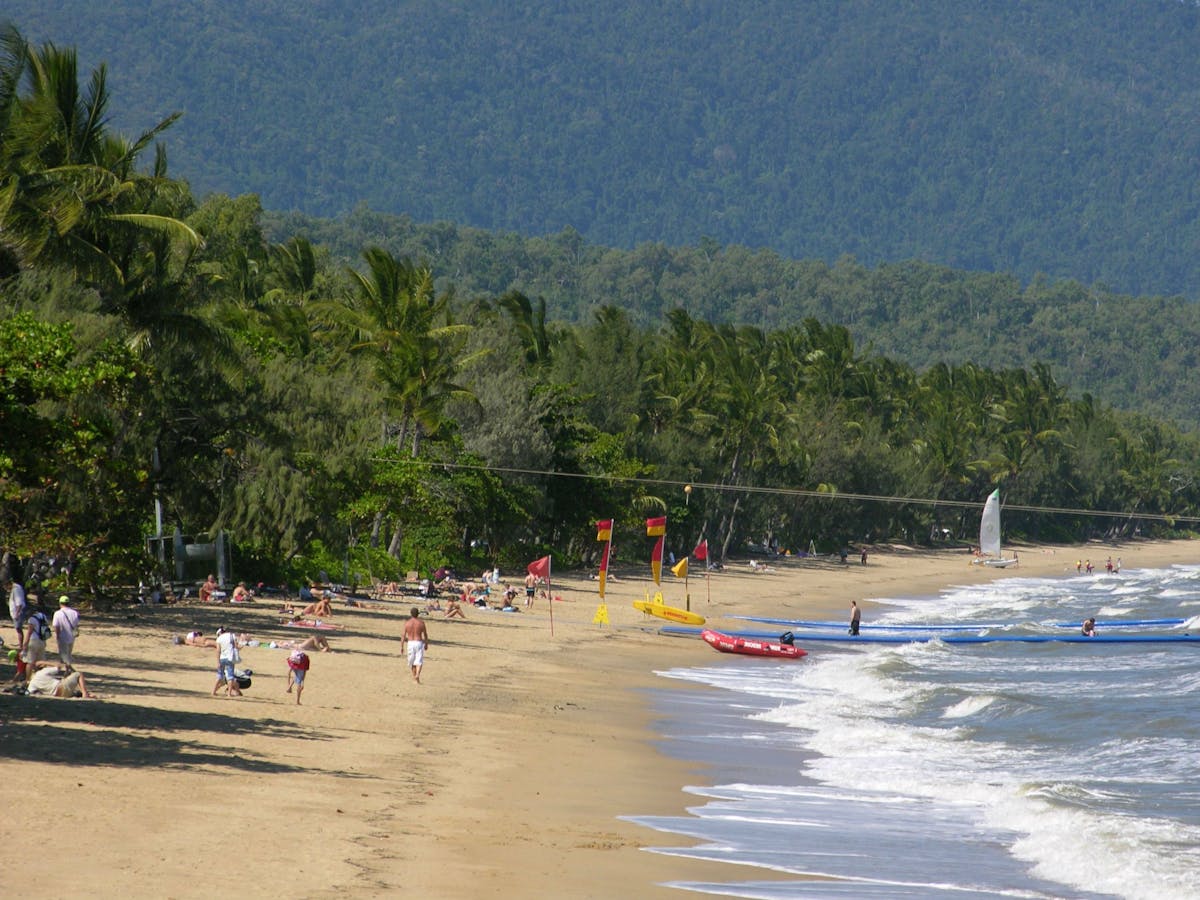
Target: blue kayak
(807, 637)
(826, 623)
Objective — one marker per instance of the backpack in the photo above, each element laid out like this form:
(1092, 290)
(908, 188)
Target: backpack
(43, 625)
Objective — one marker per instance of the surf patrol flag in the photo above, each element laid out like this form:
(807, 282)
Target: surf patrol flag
(604, 533)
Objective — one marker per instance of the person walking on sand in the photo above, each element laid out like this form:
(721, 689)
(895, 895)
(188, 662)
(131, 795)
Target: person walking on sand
(298, 664)
(65, 625)
(855, 617)
(18, 608)
(227, 659)
(415, 640)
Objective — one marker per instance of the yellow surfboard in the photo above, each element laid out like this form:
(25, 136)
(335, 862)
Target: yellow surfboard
(670, 613)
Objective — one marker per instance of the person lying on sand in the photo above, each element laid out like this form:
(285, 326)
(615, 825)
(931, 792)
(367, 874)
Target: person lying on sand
(302, 622)
(54, 680)
(363, 604)
(194, 639)
(313, 643)
(200, 639)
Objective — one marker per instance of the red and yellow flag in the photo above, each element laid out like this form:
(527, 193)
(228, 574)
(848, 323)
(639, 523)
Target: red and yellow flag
(604, 533)
(657, 527)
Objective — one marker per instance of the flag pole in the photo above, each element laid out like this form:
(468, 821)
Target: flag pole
(550, 591)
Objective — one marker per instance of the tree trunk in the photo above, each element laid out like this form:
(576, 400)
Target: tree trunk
(729, 530)
(397, 540)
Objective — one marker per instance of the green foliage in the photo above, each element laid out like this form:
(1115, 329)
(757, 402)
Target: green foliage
(368, 418)
(68, 479)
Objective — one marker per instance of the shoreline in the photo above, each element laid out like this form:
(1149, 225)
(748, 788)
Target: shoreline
(506, 773)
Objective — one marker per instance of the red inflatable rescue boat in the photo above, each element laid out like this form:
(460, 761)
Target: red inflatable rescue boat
(727, 643)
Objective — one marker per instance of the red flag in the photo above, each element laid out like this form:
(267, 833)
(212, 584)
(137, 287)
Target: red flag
(701, 551)
(540, 567)
(604, 530)
(656, 527)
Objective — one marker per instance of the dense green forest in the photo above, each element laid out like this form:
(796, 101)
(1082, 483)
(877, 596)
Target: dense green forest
(1024, 138)
(153, 347)
(1136, 353)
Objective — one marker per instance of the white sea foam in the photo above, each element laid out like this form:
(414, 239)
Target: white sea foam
(968, 706)
(1074, 759)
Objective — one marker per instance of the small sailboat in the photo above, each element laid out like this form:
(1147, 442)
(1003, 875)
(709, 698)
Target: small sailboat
(989, 534)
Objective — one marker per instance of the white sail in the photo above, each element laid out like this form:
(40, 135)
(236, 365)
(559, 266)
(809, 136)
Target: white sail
(989, 533)
(989, 526)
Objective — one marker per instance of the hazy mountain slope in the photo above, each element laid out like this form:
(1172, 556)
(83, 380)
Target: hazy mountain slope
(1020, 137)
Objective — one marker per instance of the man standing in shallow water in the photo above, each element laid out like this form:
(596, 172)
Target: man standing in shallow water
(415, 640)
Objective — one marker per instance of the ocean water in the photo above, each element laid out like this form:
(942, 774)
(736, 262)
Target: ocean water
(954, 771)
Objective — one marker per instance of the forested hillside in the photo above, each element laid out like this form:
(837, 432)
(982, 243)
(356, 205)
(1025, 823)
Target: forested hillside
(372, 415)
(1028, 137)
(1136, 353)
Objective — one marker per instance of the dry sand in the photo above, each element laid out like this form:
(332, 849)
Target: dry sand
(504, 774)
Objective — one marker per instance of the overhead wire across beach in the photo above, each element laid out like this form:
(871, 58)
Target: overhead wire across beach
(809, 493)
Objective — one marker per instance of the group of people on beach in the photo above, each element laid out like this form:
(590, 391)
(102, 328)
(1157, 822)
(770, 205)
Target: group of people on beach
(1085, 565)
(34, 626)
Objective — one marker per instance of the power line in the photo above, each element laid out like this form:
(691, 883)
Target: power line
(801, 492)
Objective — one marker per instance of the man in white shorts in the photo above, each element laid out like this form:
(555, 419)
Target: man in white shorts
(415, 640)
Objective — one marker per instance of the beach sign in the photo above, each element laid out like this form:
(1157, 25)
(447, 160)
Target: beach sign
(601, 616)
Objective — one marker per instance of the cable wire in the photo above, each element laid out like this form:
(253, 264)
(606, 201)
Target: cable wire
(802, 492)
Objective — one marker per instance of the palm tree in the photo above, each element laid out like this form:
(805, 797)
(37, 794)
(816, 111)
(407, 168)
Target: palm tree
(69, 191)
(403, 326)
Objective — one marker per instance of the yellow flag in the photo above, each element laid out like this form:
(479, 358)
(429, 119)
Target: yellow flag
(601, 616)
(680, 568)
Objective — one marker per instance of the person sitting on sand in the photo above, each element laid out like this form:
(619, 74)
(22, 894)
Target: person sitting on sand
(321, 608)
(453, 610)
(241, 593)
(208, 588)
(53, 680)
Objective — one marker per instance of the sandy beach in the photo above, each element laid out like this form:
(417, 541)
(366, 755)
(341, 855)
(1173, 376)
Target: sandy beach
(503, 774)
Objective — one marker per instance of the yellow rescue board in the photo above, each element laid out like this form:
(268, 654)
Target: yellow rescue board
(670, 613)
